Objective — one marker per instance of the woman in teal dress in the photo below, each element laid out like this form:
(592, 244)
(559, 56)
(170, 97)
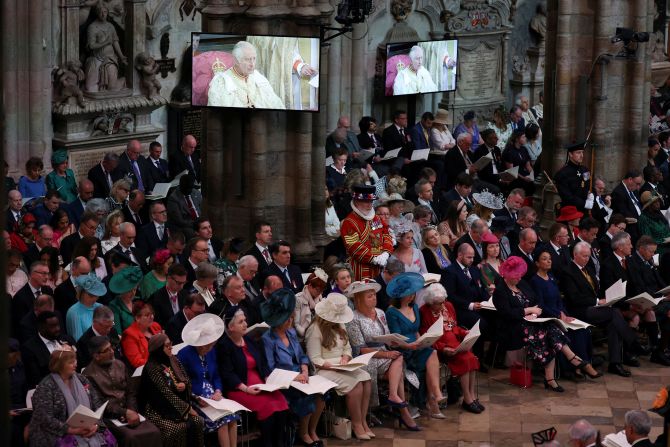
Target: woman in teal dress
(403, 318)
(124, 285)
(62, 178)
(157, 277)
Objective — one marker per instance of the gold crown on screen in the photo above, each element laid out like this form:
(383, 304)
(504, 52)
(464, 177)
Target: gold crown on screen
(400, 66)
(218, 66)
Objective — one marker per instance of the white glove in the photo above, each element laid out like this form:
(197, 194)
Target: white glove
(381, 259)
(589, 201)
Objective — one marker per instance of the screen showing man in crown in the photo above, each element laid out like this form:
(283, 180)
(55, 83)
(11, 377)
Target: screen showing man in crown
(242, 85)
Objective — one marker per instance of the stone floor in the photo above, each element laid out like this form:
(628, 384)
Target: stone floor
(512, 414)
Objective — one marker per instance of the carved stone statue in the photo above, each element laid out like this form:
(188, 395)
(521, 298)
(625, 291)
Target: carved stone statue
(105, 56)
(538, 24)
(401, 9)
(67, 82)
(657, 47)
(147, 67)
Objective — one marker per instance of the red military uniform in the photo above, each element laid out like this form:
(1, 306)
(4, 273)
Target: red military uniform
(363, 240)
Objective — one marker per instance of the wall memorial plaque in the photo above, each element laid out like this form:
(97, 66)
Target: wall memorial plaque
(479, 70)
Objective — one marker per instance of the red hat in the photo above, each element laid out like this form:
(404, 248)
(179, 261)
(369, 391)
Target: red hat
(513, 267)
(569, 213)
(28, 218)
(490, 238)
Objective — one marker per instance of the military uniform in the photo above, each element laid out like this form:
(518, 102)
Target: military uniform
(572, 182)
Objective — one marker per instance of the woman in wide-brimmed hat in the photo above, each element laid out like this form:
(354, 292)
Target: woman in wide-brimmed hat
(62, 178)
(405, 251)
(165, 397)
(570, 216)
(368, 323)
(79, 316)
(327, 346)
(404, 318)
(515, 303)
(306, 301)
(283, 351)
(652, 222)
(201, 364)
(124, 285)
(485, 204)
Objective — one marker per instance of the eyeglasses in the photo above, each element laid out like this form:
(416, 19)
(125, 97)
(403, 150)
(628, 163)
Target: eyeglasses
(40, 272)
(181, 283)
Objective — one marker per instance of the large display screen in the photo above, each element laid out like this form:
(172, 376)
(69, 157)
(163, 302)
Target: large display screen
(421, 67)
(256, 72)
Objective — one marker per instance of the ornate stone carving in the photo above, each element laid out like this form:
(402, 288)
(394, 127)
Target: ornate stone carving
(520, 65)
(186, 8)
(112, 123)
(401, 9)
(102, 66)
(478, 15)
(67, 83)
(538, 24)
(147, 68)
(657, 47)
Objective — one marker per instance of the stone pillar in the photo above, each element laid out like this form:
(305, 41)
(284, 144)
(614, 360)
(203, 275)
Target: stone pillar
(335, 93)
(302, 169)
(40, 61)
(69, 30)
(358, 70)
(135, 35)
(11, 92)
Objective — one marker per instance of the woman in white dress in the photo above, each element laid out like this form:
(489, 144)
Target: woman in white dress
(327, 347)
(112, 234)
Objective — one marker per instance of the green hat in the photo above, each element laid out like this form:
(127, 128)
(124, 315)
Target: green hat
(278, 307)
(91, 284)
(125, 280)
(405, 284)
(58, 157)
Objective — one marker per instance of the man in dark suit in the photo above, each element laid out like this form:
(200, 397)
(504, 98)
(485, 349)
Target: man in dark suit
(581, 290)
(491, 172)
(87, 228)
(14, 210)
(234, 295)
(36, 352)
(23, 301)
(644, 277)
(133, 166)
(516, 118)
(615, 266)
(513, 204)
(43, 239)
(424, 196)
(281, 266)
(270, 284)
(198, 252)
(168, 301)
(558, 248)
(186, 159)
(653, 181)
(194, 305)
(103, 325)
(127, 246)
(474, 239)
(462, 190)
(369, 138)
(393, 268)
(637, 427)
(397, 136)
(616, 225)
(261, 248)
(588, 231)
(44, 212)
(184, 206)
(458, 161)
(104, 174)
(626, 201)
(76, 208)
(527, 218)
(28, 325)
(421, 131)
(203, 228)
(154, 235)
(65, 294)
(134, 210)
(602, 202)
(525, 249)
(157, 167)
(462, 281)
(247, 269)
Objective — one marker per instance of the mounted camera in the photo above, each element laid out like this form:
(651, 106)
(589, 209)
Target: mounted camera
(630, 40)
(353, 11)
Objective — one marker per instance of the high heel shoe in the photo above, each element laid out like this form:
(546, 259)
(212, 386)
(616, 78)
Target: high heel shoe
(579, 365)
(392, 404)
(586, 372)
(556, 389)
(362, 437)
(408, 427)
(370, 434)
(479, 404)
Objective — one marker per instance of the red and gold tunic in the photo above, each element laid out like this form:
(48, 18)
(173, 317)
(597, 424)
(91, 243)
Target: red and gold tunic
(363, 240)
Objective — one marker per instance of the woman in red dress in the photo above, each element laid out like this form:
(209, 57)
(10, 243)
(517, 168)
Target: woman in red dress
(241, 366)
(463, 365)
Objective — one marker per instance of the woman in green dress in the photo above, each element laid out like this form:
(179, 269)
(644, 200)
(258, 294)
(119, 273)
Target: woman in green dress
(124, 284)
(230, 254)
(157, 276)
(62, 178)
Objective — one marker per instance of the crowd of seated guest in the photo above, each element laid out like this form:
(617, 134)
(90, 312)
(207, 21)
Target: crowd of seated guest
(124, 277)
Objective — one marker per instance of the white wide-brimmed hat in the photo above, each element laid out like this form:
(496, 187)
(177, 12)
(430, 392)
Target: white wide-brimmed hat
(431, 278)
(489, 200)
(408, 206)
(203, 330)
(361, 286)
(335, 309)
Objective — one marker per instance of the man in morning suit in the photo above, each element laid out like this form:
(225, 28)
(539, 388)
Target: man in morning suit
(168, 300)
(581, 290)
(588, 231)
(203, 228)
(154, 235)
(184, 206)
(474, 239)
(104, 174)
(397, 136)
(198, 252)
(87, 228)
(421, 131)
(186, 159)
(261, 248)
(103, 325)
(43, 239)
(626, 201)
(525, 249)
(616, 225)
(491, 172)
(65, 294)
(44, 212)
(281, 266)
(23, 301)
(247, 268)
(458, 161)
(194, 305)
(393, 268)
(637, 427)
(134, 211)
(558, 248)
(462, 190)
(13, 213)
(127, 246)
(76, 208)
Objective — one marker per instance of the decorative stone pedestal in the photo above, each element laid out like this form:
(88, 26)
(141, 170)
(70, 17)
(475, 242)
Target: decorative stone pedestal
(529, 74)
